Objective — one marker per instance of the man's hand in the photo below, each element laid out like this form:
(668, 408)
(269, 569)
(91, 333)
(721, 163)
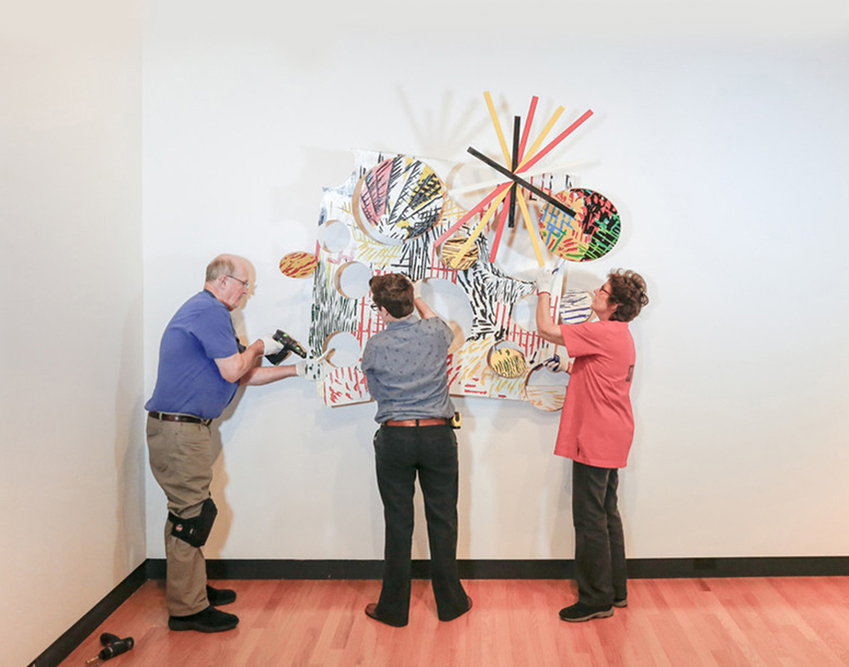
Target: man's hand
(417, 289)
(301, 367)
(271, 346)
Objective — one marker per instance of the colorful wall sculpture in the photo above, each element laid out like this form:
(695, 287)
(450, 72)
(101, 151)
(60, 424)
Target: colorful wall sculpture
(396, 214)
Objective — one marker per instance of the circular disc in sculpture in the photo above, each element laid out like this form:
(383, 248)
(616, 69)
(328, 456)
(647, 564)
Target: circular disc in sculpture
(352, 279)
(575, 306)
(345, 350)
(298, 264)
(545, 389)
(334, 236)
(506, 360)
(401, 198)
(589, 234)
(450, 250)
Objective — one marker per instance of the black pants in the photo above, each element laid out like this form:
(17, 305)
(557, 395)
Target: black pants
(431, 452)
(599, 540)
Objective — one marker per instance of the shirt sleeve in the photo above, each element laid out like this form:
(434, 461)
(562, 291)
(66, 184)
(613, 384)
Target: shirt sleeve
(582, 339)
(366, 362)
(214, 331)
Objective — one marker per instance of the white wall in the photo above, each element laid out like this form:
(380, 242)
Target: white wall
(721, 137)
(71, 449)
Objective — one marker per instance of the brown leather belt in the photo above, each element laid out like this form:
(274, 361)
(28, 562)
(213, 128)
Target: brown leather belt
(171, 417)
(430, 421)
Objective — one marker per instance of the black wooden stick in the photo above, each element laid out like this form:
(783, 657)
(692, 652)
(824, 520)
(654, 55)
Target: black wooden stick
(521, 181)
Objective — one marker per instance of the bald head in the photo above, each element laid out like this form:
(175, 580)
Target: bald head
(228, 278)
(221, 266)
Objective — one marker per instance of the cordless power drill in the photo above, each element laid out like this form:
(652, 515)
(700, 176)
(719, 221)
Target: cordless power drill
(289, 345)
(112, 645)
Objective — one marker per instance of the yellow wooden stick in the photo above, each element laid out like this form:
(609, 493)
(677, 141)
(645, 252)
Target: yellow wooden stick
(523, 205)
(526, 215)
(508, 161)
(477, 231)
(500, 198)
(533, 149)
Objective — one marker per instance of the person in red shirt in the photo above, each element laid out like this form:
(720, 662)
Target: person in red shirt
(596, 431)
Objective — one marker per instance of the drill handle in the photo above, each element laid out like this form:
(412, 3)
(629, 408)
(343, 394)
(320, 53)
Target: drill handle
(116, 648)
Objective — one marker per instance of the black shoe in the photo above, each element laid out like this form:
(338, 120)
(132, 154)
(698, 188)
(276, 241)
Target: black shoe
(208, 620)
(371, 612)
(466, 610)
(220, 596)
(620, 603)
(583, 612)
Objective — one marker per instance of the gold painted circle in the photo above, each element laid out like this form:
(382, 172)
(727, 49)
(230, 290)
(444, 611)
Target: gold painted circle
(449, 253)
(506, 360)
(298, 264)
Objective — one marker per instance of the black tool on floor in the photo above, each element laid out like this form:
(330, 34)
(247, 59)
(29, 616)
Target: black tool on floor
(112, 645)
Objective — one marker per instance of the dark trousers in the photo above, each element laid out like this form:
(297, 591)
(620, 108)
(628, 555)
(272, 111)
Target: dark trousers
(430, 452)
(599, 541)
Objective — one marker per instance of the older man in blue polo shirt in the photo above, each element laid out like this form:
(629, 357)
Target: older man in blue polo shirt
(407, 374)
(201, 365)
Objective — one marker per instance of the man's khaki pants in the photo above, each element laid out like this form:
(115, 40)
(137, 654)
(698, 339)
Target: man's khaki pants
(181, 461)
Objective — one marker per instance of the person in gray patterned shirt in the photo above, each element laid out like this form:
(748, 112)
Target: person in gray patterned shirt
(406, 370)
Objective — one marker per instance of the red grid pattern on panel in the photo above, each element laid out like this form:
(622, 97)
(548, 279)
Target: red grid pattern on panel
(368, 322)
(353, 384)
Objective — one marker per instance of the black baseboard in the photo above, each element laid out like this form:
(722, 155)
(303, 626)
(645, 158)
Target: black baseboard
(77, 633)
(638, 568)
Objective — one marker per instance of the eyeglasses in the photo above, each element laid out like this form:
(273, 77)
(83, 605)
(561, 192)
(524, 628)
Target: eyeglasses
(245, 283)
(374, 306)
(601, 289)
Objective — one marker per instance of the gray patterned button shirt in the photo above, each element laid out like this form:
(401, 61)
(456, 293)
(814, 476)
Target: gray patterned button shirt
(406, 369)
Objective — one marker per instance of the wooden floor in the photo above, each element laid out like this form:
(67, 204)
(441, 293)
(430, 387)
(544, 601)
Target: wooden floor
(773, 622)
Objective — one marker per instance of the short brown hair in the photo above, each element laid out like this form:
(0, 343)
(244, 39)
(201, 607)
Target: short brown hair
(628, 292)
(393, 291)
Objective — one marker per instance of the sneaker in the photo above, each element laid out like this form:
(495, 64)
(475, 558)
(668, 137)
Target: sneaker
(583, 612)
(220, 596)
(208, 620)
(620, 604)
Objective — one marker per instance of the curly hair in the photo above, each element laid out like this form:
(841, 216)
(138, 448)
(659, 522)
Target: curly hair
(393, 291)
(628, 292)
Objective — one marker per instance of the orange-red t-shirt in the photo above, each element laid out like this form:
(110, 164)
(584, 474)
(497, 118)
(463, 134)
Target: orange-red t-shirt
(596, 424)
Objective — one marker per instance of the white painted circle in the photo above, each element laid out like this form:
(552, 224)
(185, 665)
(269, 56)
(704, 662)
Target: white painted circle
(334, 236)
(352, 280)
(345, 349)
(450, 302)
(545, 389)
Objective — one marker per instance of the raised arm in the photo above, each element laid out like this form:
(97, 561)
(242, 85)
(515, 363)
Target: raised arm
(423, 309)
(545, 325)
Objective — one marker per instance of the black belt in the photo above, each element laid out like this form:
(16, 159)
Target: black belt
(171, 417)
